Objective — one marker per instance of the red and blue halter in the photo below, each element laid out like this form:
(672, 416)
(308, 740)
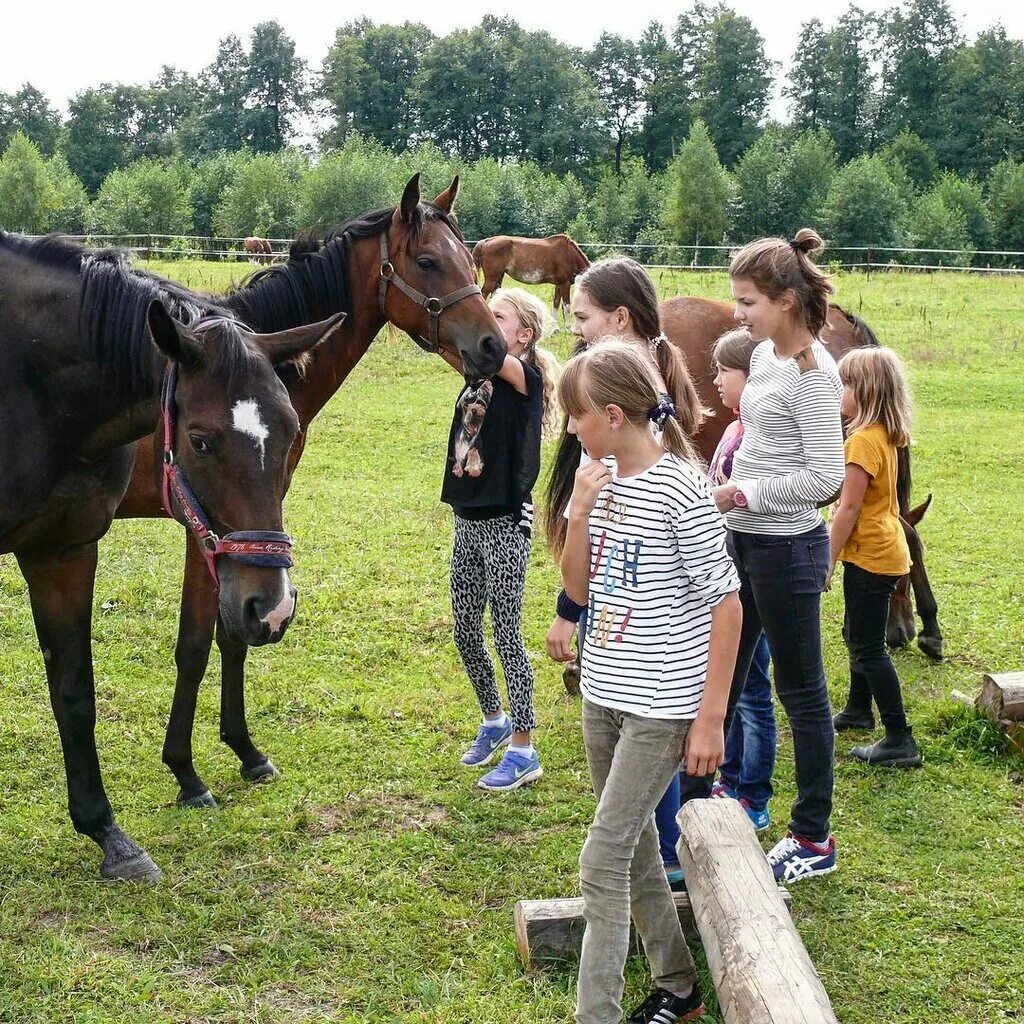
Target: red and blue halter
(266, 548)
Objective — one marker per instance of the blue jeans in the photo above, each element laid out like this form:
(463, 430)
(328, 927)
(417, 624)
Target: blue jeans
(781, 579)
(750, 745)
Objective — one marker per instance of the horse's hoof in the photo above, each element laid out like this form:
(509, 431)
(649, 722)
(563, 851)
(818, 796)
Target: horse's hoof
(139, 868)
(262, 772)
(932, 646)
(197, 800)
(571, 678)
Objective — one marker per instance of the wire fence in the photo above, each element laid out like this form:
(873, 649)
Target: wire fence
(661, 256)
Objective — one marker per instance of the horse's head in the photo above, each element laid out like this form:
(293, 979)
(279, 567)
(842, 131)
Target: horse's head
(427, 253)
(902, 626)
(233, 429)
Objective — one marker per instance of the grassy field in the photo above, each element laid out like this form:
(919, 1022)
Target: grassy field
(373, 881)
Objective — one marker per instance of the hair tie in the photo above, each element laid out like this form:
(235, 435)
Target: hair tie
(656, 342)
(661, 412)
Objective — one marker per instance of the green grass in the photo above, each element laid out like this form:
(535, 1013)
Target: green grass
(373, 881)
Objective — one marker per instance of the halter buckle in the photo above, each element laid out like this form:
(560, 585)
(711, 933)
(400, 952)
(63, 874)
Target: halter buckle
(168, 457)
(387, 270)
(210, 542)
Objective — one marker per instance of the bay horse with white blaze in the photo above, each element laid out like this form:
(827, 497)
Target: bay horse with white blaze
(556, 260)
(91, 358)
(406, 265)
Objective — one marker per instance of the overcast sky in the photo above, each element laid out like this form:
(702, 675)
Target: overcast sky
(64, 47)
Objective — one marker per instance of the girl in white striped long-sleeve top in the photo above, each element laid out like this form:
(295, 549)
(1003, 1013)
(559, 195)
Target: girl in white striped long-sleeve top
(789, 463)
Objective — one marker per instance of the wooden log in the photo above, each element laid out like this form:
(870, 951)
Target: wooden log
(760, 968)
(551, 931)
(1002, 696)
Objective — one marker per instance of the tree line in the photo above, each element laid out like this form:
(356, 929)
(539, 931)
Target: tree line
(901, 133)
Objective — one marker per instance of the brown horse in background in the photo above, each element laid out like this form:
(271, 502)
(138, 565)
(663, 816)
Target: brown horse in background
(259, 249)
(556, 260)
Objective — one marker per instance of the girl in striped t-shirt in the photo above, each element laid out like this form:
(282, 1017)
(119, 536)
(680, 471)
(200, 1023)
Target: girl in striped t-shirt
(645, 552)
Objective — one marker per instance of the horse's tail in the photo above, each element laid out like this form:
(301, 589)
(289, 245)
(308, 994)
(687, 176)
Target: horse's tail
(859, 326)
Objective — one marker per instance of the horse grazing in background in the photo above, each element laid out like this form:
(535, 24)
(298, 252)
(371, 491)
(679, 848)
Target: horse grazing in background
(378, 268)
(258, 249)
(89, 358)
(556, 260)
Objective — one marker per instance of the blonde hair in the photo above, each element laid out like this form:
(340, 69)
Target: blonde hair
(775, 266)
(879, 385)
(534, 315)
(616, 372)
(733, 350)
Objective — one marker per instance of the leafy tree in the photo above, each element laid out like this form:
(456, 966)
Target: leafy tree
(367, 81)
(667, 74)
(147, 197)
(910, 155)
(28, 111)
(70, 212)
(210, 181)
(698, 191)
(967, 197)
(222, 125)
(277, 90)
(1006, 205)
(261, 200)
(810, 85)
(803, 181)
(614, 64)
(27, 195)
(864, 208)
(756, 211)
(95, 142)
(931, 224)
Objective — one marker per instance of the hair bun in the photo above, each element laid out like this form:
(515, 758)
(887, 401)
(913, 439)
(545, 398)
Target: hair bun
(807, 240)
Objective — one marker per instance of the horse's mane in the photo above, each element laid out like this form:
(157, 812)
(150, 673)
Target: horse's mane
(870, 338)
(572, 241)
(313, 283)
(115, 301)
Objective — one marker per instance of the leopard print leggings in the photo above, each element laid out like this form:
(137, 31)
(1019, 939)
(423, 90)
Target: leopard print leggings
(489, 567)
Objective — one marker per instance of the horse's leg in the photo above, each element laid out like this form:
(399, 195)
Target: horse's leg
(930, 637)
(492, 284)
(61, 588)
(234, 730)
(191, 654)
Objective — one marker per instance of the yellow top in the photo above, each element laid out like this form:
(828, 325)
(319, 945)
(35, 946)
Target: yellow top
(877, 543)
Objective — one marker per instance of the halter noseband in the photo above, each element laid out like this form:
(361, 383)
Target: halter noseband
(434, 307)
(266, 548)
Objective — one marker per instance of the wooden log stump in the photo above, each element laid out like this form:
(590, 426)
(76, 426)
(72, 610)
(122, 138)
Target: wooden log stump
(760, 968)
(1002, 697)
(551, 931)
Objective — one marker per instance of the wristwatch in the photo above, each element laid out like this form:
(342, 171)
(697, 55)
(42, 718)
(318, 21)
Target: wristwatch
(739, 500)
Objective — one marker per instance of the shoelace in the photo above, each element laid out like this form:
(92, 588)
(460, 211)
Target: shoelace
(783, 850)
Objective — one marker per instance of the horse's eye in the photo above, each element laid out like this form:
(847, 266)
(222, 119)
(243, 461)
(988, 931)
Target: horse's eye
(199, 444)
(426, 263)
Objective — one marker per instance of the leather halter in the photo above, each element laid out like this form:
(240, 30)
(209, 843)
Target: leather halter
(434, 307)
(266, 548)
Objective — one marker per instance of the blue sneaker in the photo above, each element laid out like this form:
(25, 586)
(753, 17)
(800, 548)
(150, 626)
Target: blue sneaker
(759, 819)
(488, 739)
(514, 770)
(793, 860)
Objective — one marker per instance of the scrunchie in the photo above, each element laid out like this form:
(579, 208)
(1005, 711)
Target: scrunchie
(661, 412)
(656, 342)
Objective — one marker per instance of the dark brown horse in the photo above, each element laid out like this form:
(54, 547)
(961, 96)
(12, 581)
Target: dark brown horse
(258, 249)
(556, 260)
(86, 345)
(419, 249)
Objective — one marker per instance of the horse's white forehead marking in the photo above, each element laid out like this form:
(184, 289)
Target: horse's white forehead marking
(245, 416)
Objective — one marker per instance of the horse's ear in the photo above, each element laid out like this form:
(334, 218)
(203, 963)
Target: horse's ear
(410, 200)
(916, 514)
(446, 200)
(174, 339)
(291, 345)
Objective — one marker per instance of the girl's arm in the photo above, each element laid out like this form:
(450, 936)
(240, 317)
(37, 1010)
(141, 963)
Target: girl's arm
(705, 742)
(512, 371)
(576, 553)
(855, 486)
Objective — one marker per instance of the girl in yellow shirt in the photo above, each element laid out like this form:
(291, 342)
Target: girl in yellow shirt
(867, 537)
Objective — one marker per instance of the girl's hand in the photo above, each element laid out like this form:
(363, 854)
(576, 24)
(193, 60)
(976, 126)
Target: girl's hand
(724, 497)
(828, 577)
(559, 639)
(705, 746)
(589, 481)
(805, 360)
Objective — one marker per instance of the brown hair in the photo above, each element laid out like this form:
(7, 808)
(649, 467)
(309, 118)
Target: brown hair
(733, 350)
(534, 316)
(879, 385)
(616, 372)
(776, 266)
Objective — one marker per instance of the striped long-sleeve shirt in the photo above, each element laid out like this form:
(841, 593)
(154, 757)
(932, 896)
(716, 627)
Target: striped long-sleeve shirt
(791, 458)
(658, 567)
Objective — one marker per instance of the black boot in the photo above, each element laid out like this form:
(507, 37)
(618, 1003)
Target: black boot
(899, 748)
(852, 719)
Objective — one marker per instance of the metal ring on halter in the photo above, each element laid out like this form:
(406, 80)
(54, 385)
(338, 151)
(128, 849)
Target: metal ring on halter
(210, 542)
(387, 270)
(433, 306)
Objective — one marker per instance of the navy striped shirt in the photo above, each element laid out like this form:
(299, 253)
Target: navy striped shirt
(658, 565)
